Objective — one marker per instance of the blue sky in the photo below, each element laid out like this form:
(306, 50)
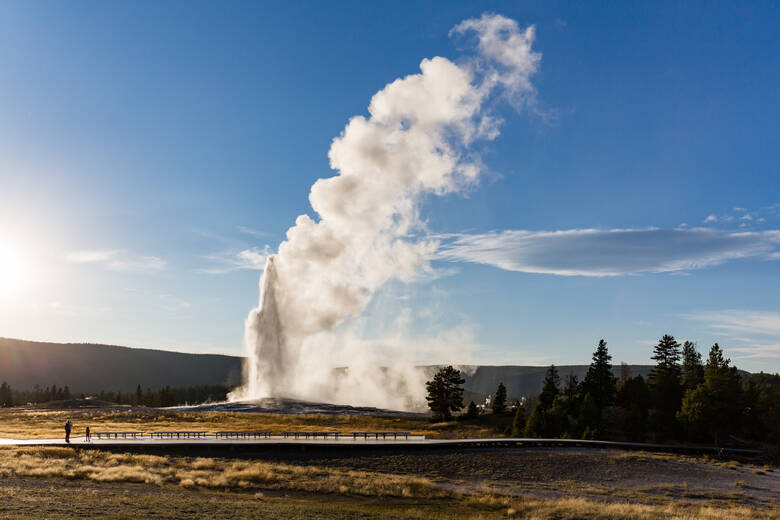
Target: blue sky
(151, 154)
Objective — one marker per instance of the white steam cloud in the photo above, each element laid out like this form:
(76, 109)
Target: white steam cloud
(415, 142)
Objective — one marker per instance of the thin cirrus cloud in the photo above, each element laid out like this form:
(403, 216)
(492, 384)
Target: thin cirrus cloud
(253, 258)
(735, 322)
(611, 252)
(756, 334)
(117, 260)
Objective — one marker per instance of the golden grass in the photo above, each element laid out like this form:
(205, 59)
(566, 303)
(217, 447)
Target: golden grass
(38, 424)
(103, 466)
(252, 478)
(578, 508)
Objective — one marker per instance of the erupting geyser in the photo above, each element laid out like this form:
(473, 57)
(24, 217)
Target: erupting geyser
(416, 141)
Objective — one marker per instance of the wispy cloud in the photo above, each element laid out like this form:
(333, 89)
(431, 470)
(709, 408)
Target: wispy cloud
(756, 350)
(164, 301)
(253, 232)
(613, 252)
(753, 334)
(72, 311)
(117, 260)
(744, 217)
(253, 258)
(739, 321)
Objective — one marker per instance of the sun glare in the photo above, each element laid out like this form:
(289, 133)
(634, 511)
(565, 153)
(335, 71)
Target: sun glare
(11, 272)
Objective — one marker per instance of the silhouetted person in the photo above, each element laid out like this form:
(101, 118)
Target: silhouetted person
(68, 427)
(87, 438)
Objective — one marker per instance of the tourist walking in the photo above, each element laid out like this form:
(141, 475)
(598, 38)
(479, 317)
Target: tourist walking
(68, 427)
(87, 438)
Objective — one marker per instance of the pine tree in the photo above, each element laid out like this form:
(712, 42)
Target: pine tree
(445, 394)
(471, 411)
(499, 400)
(634, 397)
(589, 419)
(664, 383)
(714, 406)
(600, 381)
(518, 423)
(139, 395)
(550, 387)
(6, 396)
(536, 424)
(572, 392)
(692, 367)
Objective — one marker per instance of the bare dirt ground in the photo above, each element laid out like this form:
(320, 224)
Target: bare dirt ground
(608, 475)
(533, 483)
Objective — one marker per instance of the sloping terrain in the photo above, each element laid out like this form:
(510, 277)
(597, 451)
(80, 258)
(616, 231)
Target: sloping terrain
(89, 367)
(86, 367)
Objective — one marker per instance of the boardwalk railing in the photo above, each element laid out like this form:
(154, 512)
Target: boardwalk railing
(248, 434)
(307, 434)
(376, 435)
(178, 435)
(116, 435)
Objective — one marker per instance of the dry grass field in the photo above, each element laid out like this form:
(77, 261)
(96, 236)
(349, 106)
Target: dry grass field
(533, 483)
(54, 482)
(31, 424)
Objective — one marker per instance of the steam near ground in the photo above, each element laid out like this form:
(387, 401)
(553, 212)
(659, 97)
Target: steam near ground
(417, 141)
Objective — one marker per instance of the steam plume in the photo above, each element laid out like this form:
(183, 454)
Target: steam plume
(415, 142)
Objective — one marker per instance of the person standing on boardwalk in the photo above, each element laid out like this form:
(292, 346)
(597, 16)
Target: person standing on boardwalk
(68, 427)
(87, 438)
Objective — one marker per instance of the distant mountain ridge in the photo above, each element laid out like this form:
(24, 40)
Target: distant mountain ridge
(90, 368)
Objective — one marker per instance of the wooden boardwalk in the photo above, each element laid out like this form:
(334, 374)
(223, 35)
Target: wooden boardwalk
(214, 442)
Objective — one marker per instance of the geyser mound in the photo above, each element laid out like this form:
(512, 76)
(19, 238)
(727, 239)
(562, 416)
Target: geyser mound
(282, 405)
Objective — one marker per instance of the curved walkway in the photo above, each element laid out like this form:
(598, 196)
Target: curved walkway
(413, 442)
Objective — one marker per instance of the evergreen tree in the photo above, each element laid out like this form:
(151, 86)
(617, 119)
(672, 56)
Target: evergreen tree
(600, 381)
(445, 393)
(471, 411)
(634, 397)
(761, 401)
(518, 423)
(714, 406)
(536, 424)
(572, 393)
(139, 395)
(664, 383)
(692, 366)
(66, 392)
(589, 420)
(550, 387)
(499, 400)
(6, 396)
(557, 424)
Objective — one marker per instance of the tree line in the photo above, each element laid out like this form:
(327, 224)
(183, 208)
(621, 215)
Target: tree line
(683, 398)
(166, 396)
